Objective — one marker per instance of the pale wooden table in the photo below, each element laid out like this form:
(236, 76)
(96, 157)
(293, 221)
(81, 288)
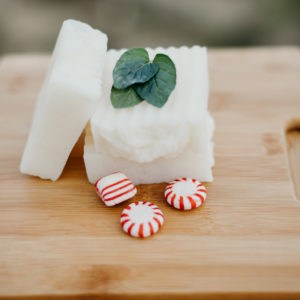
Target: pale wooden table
(58, 241)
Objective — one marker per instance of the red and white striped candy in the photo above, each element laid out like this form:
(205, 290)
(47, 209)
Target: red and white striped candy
(185, 193)
(141, 219)
(115, 188)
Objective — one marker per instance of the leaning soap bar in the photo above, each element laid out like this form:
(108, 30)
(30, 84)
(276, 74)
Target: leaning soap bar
(67, 100)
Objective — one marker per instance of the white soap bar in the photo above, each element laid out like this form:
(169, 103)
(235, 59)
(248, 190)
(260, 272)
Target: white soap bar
(195, 164)
(144, 133)
(68, 98)
(152, 144)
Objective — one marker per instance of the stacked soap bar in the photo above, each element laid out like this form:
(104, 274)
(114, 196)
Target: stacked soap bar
(68, 97)
(152, 144)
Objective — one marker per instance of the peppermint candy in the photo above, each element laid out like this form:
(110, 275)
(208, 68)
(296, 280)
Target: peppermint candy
(185, 193)
(141, 219)
(115, 188)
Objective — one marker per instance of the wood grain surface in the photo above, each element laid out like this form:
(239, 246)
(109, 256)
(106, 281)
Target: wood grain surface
(57, 240)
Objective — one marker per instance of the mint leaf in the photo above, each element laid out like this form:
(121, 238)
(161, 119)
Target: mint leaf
(124, 97)
(133, 67)
(137, 79)
(157, 90)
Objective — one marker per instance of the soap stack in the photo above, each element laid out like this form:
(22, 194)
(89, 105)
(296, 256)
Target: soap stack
(153, 144)
(147, 143)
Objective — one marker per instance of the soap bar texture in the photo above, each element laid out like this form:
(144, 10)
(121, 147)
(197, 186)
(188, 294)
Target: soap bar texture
(151, 144)
(195, 164)
(67, 100)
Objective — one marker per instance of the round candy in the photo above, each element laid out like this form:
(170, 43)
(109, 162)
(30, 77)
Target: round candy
(115, 188)
(141, 219)
(185, 193)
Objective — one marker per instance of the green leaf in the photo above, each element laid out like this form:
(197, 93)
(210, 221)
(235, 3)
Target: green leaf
(124, 97)
(157, 90)
(133, 67)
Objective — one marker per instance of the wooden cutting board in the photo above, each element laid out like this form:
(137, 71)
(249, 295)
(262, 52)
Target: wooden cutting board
(57, 240)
